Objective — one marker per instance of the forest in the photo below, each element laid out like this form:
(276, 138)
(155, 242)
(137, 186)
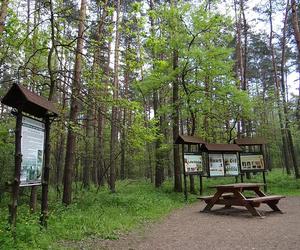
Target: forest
(128, 77)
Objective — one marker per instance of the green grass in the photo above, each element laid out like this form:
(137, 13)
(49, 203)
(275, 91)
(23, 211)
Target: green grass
(92, 213)
(277, 183)
(106, 215)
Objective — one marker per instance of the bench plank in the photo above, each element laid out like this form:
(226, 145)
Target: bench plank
(209, 197)
(264, 199)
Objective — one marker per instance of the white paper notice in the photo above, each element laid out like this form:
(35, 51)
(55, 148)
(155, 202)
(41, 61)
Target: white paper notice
(231, 166)
(32, 148)
(193, 163)
(216, 167)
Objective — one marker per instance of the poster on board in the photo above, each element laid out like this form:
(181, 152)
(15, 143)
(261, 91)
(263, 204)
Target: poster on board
(231, 164)
(252, 162)
(32, 148)
(216, 167)
(193, 163)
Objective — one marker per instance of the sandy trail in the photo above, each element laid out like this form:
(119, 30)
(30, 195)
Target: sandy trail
(187, 228)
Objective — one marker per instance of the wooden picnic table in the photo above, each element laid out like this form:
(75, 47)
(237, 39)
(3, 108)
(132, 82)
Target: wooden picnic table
(232, 195)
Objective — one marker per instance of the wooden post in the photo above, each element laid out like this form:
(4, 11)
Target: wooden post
(201, 184)
(45, 176)
(184, 174)
(33, 196)
(265, 182)
(17, 173)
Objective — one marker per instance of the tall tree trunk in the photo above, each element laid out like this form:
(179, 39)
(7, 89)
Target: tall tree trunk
(71, 138)
(158, 177)
(277, 89)
(295, 23)
(239, 53)
(175, 102)
(114, 113)
(17, 173)
(98, 169)
(88, 154)
(3, 14)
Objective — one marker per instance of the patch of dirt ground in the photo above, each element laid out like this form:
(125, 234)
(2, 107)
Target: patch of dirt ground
(235, 228)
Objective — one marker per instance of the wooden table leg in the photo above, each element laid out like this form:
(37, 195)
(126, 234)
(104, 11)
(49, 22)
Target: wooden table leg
(213, 201)
(259, 192)
(252, 210)
(249, 207)
(273, 206)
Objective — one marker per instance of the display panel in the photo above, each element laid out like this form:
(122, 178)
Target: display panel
(252, 162)
(216, 166)
(193, 163)
(231, 164)
(32, 148)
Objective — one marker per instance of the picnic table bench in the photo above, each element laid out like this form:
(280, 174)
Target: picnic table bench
(232, 195)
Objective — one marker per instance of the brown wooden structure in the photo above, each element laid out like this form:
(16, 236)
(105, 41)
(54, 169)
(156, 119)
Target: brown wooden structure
(220, 149)
(190, 145)
(232, 195)
(23, 101)
(253, 147)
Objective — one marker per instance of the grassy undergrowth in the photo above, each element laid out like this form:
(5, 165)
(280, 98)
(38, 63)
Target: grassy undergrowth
(277, 183)
(106, 215)
(101, 214)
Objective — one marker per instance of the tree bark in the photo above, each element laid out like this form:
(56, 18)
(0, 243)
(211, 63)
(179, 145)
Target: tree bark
(71, 138)
(46, 174)
(17, 173)
(277, 89)
(175, 102)
(295, 23)
(114, 114)
(3, 14)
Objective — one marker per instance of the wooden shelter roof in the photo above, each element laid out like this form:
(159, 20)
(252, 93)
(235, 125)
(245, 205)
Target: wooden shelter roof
(187, 139)
(24, 100)
(221, 148)
(250, 141)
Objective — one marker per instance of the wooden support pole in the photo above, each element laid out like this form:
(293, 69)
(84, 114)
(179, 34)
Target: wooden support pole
(184, 174)
(201, 184)
(17, 173)
(265, 181)
(45, 176)
(33, 198)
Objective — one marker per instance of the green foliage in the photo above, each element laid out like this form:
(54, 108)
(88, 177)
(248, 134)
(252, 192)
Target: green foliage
(106, 215)
(92, 213)
(6, 155)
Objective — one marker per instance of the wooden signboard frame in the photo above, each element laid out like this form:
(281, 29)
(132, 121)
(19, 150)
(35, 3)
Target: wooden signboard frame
(253, 149)
(187, 144)
(220, 151)
(23, 101)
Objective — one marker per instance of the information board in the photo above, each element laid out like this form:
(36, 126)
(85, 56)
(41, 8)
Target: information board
(252, 162)
(193, 163)
(231, 164)
(216, 167)
(32, 148)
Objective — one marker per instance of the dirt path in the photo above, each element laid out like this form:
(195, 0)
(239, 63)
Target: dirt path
(188, 229)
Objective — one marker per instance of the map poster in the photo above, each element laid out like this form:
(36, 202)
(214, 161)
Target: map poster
(252, 162)
(216, 167)
(32, 148)
(193, 163)
(231, 164)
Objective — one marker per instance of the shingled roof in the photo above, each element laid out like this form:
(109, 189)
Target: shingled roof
(24, 100)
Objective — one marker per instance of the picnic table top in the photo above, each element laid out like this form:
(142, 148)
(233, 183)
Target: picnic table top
(238, 185)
